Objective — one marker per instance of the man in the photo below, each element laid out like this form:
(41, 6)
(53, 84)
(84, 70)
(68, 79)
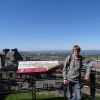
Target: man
(72, 73)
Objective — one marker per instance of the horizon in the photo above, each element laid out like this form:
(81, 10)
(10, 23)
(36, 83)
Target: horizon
(48, 50)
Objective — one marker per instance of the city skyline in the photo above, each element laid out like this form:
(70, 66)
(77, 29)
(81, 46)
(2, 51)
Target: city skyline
(49, 24)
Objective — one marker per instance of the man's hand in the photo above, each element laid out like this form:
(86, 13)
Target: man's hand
(65, 82)
(86, 78)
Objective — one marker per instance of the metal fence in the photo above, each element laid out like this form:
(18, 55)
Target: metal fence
(15, 86)
(33, 85)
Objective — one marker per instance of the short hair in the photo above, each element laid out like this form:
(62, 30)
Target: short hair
(76, 47)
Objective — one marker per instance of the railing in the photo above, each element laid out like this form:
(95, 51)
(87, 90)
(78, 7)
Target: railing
(53, 84)
(12, 86)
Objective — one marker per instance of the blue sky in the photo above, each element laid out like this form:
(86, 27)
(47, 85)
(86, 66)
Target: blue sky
(49, 24)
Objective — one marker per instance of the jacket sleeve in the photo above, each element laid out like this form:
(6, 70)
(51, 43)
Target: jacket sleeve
(88, 71)
(66, 65)
(87, 67)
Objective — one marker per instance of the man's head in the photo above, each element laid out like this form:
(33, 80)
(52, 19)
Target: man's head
(76, 50)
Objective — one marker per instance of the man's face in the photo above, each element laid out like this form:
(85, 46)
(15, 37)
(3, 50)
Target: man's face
(76, 52)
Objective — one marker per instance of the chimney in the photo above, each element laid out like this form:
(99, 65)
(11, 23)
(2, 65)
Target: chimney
(14, 49)
(6, 50)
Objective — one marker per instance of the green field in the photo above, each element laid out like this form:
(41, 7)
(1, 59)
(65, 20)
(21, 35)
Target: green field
(40, 96)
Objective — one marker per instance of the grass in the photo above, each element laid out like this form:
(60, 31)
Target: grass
(17, 96)
(39, 96)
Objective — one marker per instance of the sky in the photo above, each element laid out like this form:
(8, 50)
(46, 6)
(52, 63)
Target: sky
(49, 24)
